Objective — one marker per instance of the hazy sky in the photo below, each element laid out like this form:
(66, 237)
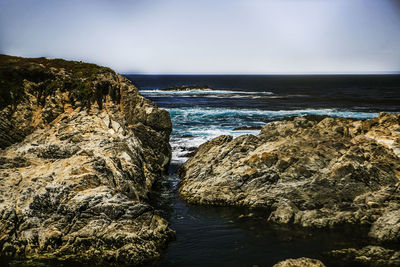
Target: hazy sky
(208, 36)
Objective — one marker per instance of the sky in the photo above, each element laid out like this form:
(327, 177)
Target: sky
(208, 36)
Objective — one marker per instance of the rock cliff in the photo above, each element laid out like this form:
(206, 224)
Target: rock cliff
(80, 151)
(311, 171)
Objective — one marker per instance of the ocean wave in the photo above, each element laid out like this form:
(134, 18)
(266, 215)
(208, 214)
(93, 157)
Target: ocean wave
(194, 126)
(268, 114)
(157, 91)
(181, 147)
(216, 93)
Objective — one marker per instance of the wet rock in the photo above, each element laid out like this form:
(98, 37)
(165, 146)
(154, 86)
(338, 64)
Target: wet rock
(75, 179)
(300, 262)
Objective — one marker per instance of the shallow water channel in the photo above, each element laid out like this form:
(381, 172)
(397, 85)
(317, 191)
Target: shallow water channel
(226, 236)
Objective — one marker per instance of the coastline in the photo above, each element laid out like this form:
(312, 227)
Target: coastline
(107, 150)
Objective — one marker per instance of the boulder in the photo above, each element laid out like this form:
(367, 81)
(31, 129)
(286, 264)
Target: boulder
(300, 262)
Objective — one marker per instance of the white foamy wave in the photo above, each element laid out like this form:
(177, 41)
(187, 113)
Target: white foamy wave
(203, 93)
(195, 126)
(182, 146)
(268, 114)
(172, 92)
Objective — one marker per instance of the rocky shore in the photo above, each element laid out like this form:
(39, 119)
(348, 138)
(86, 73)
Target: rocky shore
(300, 262)
(80, 151)
(311, 171)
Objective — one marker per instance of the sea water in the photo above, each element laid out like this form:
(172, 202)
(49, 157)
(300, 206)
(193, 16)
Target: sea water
(216, 236)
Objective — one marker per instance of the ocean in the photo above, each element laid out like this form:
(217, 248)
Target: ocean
(253, 100)
(207, 236)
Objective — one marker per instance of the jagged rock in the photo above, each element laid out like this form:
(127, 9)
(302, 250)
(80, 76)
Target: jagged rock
(374, 256)
(76, 167)
(387, 227)
(314, 172)
(300, 262)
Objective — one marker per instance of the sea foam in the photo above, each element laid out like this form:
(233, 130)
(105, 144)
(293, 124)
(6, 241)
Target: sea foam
(194, 126)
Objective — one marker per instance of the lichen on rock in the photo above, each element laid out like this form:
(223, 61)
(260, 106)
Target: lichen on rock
(300, 262)
(311, 171)
(368, 256)
(80, 151)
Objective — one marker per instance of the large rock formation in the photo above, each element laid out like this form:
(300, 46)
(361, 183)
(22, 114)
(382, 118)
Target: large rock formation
(310, 171)
(374, 256)
(80, 151)
(300, 262)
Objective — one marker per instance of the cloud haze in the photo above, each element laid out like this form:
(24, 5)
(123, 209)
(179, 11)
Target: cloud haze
(178, 36)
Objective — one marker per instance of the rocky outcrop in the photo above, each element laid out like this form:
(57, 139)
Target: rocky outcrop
(314, 172)
(81, 150)
(300, 262)
(311, 171)
(374, 256)
(387, 226)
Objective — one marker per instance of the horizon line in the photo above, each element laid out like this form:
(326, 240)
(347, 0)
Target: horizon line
(266, 74)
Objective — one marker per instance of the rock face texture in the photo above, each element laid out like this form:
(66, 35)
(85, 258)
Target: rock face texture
(300, 262)
(80, 151)
(310, 171)
(375, 256)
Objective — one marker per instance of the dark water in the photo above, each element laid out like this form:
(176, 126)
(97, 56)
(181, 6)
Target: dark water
(223, 236)
(217, 236)
(277, 92)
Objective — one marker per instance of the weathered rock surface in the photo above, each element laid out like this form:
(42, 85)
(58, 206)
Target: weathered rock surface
(81, 150)
(314, 172)
(387, 227)
(374, 256)
(300, 262)
(310, 171)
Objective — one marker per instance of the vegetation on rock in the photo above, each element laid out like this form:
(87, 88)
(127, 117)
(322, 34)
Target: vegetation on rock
(48, 75)
(80, 152)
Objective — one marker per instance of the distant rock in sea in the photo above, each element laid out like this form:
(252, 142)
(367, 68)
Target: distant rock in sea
(187, 88)
(80, 151)
(247, 128)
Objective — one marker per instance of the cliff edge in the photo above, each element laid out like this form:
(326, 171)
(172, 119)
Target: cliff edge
(80, 151)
